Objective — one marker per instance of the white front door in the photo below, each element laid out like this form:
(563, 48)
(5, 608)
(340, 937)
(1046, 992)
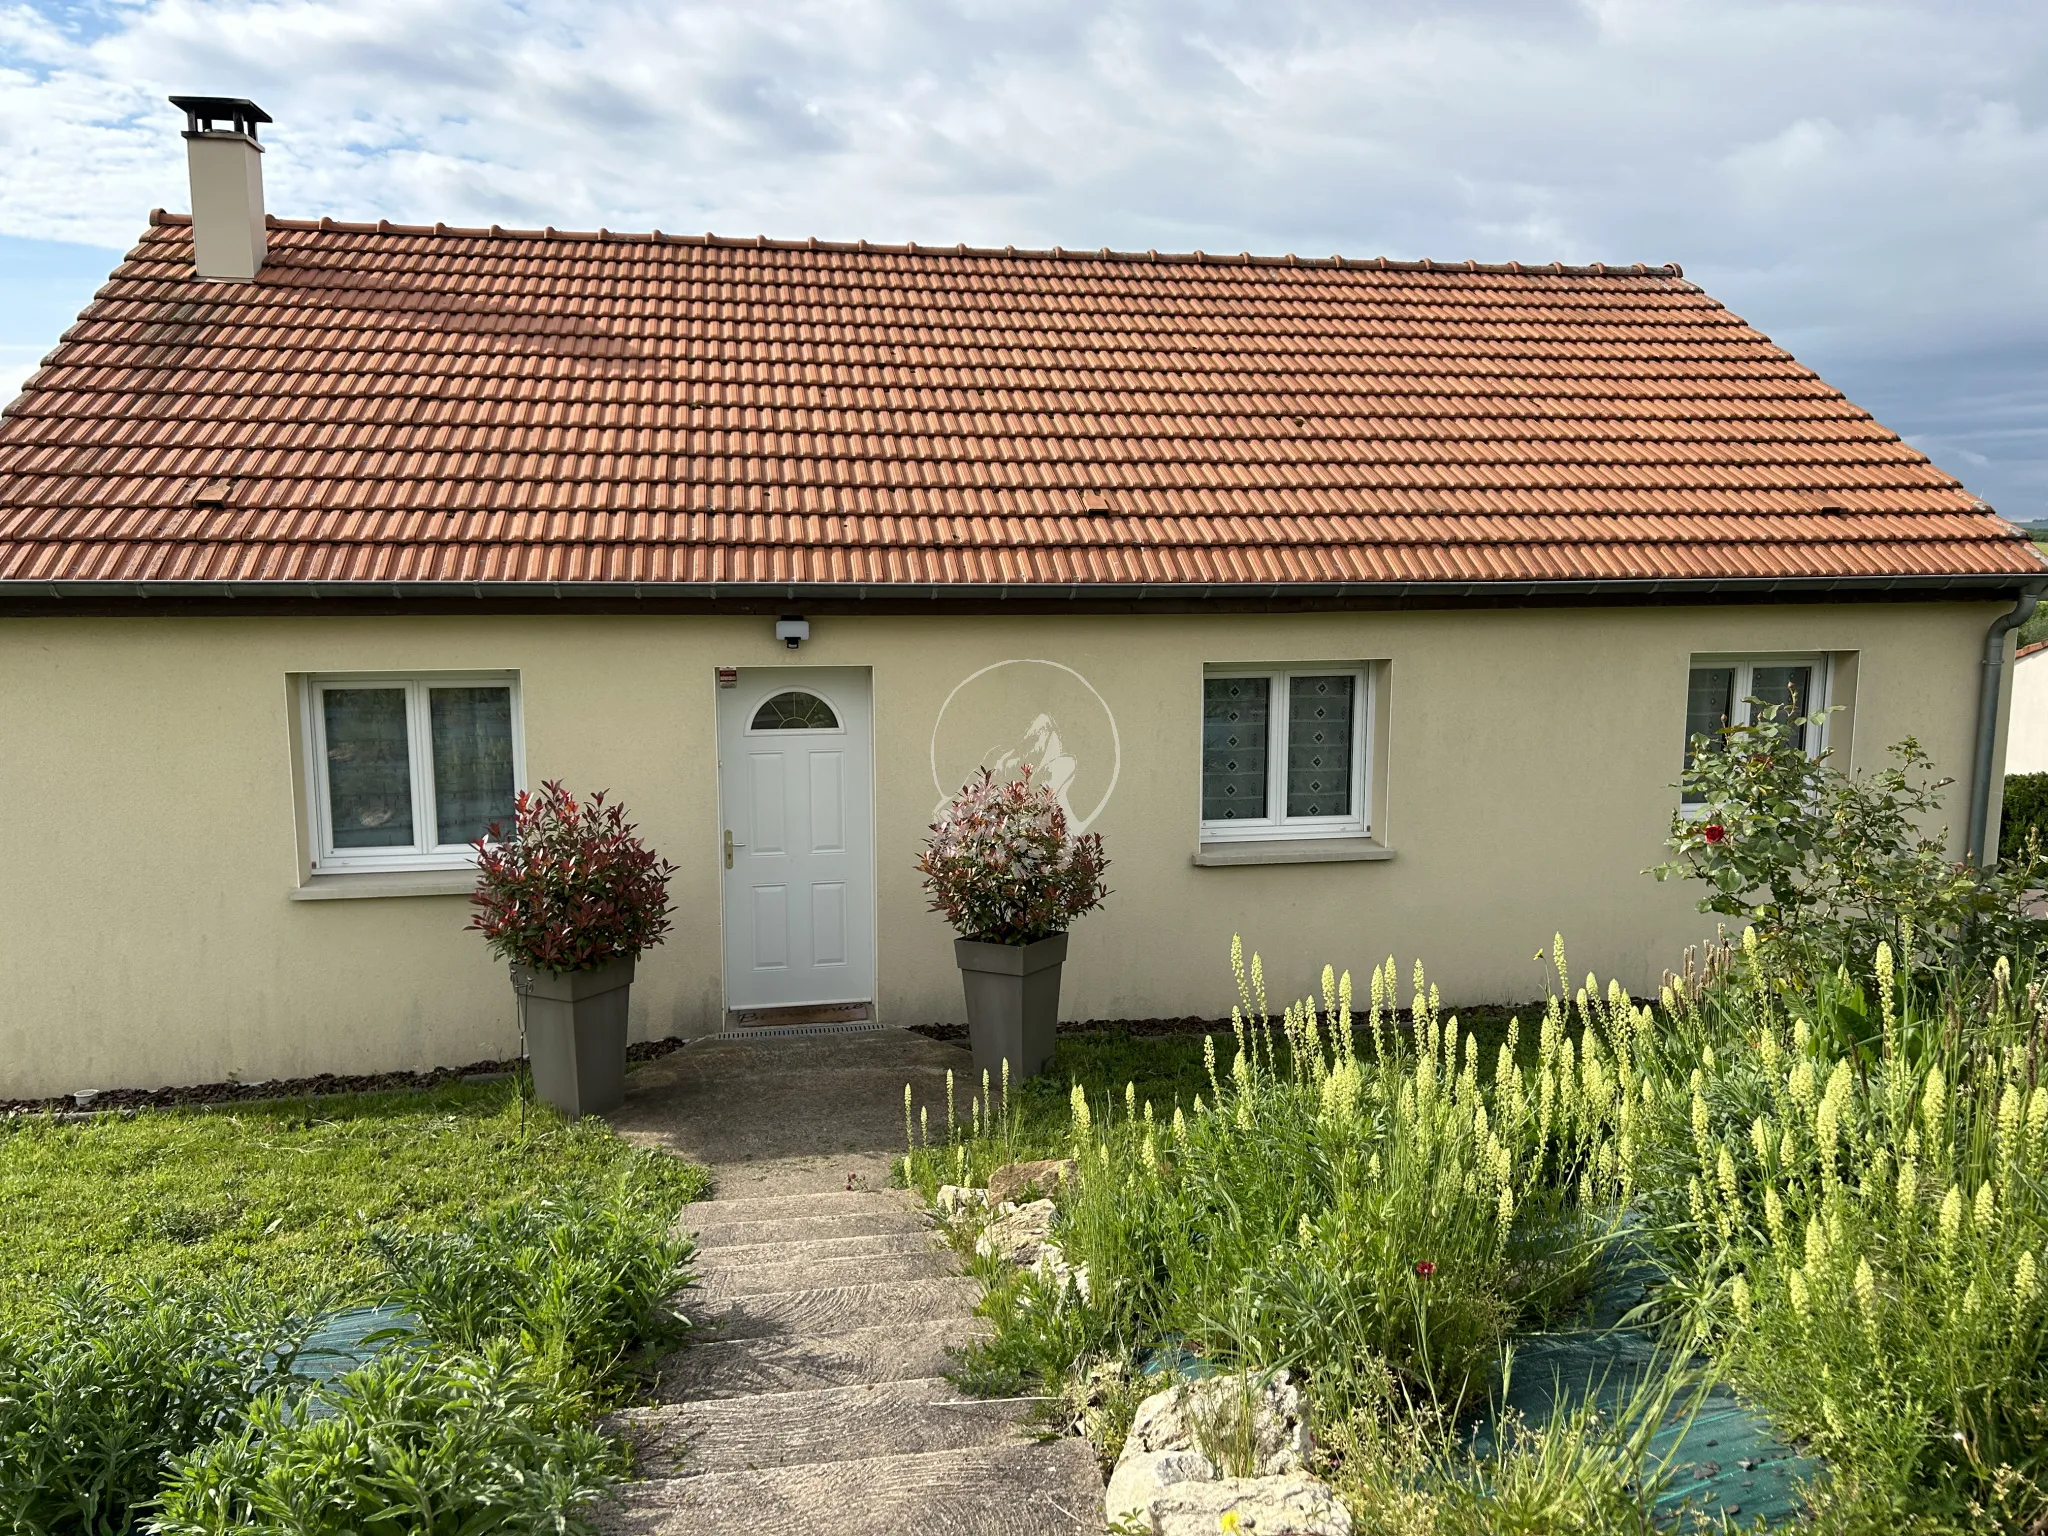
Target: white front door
(796, 792)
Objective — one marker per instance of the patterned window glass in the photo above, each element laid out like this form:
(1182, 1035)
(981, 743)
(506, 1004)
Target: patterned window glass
(369, 774)
(1319, 746)
(1709, 699)
(795, 712)
(1235, 711)
(472, 761)
(1789, 686)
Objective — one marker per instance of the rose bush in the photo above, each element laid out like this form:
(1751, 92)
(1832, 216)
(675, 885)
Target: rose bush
(1828, 864)
(571, 888)
(1002, 868)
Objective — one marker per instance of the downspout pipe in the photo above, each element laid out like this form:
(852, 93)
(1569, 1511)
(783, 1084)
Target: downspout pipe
(1990, 683)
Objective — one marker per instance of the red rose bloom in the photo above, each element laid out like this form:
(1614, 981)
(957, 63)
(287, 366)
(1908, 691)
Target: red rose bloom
(1714, 832)
(1424, 1268)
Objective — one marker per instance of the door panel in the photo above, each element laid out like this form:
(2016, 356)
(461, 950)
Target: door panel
(796, 798)
(828, 924)
(768, 804)
(828, 802)
(771, 927)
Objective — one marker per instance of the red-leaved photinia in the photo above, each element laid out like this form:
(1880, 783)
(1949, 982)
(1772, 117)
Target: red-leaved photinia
(1000, 865)
(570, 888)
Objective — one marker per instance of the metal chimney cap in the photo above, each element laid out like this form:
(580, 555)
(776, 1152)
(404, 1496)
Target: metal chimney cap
(202, 112)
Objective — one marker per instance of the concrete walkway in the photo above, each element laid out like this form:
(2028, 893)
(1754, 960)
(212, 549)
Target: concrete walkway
(815, 1400)
(791, 1116)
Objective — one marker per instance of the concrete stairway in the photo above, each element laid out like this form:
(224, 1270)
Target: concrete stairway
(817, 1402)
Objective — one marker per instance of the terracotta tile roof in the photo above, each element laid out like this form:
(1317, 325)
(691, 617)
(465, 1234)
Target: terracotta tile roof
(395, 405)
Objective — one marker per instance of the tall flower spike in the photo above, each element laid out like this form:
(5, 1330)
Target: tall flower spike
(909, 1131)
(1344, 1040)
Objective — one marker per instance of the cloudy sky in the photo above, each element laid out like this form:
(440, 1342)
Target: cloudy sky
(1866, 182)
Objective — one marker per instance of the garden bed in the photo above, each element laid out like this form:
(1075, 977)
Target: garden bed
(1840, 1188)
(89, 1102)
(197, 1313)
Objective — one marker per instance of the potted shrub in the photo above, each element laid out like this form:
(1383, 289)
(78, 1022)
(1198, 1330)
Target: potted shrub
(571, 897)
(1002, 868)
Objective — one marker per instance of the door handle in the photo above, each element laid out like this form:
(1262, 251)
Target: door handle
(729, 846)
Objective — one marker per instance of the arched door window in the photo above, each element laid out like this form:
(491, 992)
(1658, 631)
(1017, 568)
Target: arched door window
(795, 711)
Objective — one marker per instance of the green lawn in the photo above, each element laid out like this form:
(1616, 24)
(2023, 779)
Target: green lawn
(282, 1194)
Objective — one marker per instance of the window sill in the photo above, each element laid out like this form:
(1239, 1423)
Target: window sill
(1294, 850)
(397, 882)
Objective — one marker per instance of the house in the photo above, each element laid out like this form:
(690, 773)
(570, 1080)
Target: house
(2026, 745)
(1363, 606)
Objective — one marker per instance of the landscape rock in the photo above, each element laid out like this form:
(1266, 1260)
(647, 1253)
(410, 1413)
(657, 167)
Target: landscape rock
(1141, 1478)
(1052, 1263)
(1295, 1505)
(1209, 1415)
(1170, 1479)
(955, 1200)
(1019, 1234)
(1013, 1180)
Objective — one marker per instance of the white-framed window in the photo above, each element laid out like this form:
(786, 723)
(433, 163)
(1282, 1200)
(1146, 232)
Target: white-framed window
(797, 709)
(405, 771)
(1284, 752)
(1728, 690)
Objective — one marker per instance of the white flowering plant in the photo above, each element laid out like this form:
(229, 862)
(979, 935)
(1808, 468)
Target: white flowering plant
(1854, 1232)
(1867, 1229)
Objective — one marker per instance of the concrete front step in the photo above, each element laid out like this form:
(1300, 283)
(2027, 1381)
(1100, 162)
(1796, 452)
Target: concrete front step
(1008, 1490)
(738, 1367)
(820, 1312)
(797, 1273)
(831, 1203)
(801, 1229)
(782, 1429)
(734, 1256)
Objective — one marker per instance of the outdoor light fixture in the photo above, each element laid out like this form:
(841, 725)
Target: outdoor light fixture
(792, 631)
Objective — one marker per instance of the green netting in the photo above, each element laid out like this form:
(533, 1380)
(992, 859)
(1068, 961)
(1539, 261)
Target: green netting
(1720, 1457)
(345, 1340)
(1720, 1460)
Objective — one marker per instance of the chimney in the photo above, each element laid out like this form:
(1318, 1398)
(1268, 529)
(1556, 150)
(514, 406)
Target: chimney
(227, 186)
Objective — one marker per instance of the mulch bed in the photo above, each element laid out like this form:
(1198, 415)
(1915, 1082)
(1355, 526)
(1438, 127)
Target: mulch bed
(1191, 1025)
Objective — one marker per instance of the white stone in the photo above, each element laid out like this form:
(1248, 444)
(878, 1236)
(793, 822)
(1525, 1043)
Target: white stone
(1296, 1505)
(1141, 1478)
(1018, 1233)
(1052, 1264)
(1208, 1415)
(956, 1200)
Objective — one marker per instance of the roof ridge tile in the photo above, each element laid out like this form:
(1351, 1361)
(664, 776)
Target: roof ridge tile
(602, 235)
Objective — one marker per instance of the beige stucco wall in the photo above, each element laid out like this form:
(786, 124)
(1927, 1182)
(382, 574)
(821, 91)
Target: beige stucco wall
(150, 837)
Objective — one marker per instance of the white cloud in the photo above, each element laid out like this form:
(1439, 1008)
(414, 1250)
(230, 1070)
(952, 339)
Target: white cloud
(1866, 180)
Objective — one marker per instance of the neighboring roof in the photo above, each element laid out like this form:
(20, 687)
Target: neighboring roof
(401, 405)
(2030, 650)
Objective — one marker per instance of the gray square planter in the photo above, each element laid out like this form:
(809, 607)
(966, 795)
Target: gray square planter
(576, 1035)
(1013, 1002)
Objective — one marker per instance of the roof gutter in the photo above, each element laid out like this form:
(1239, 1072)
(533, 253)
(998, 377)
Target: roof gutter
(1990, 688)
(448, 595)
